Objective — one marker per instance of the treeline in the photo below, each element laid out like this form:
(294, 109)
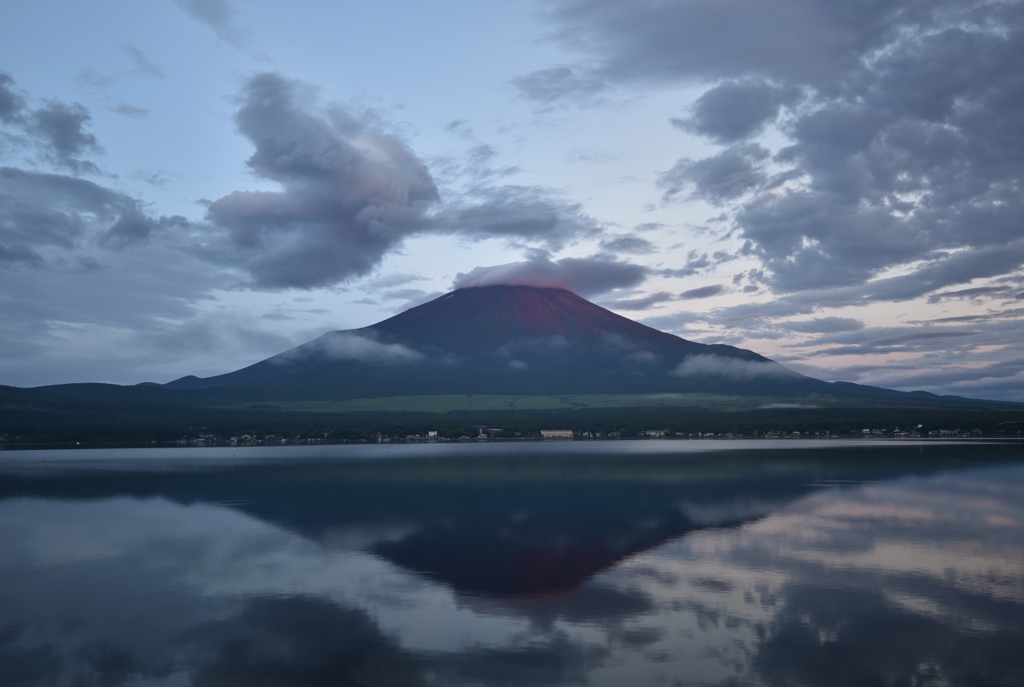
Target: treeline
(160, 423)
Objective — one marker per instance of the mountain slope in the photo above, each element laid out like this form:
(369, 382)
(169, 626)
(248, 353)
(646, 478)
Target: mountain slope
(507, 340)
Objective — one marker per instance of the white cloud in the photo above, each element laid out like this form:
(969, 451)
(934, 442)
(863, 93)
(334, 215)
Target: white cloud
(730, 368)
(347, 346)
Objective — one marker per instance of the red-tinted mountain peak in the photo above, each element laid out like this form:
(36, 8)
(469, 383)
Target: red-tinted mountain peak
(484, 318)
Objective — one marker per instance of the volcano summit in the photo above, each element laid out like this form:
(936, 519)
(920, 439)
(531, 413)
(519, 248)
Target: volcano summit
(523, 340)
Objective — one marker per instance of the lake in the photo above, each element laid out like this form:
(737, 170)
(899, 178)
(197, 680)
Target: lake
(602, 563)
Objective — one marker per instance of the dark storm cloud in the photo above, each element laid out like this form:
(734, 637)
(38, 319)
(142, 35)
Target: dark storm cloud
(703, 292)
(584, 276)
(735, 110)
(720, 178)
(902, 120)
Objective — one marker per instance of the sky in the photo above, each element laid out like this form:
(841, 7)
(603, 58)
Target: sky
(190, 186)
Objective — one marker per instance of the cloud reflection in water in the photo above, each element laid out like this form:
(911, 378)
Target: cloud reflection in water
(704, 572)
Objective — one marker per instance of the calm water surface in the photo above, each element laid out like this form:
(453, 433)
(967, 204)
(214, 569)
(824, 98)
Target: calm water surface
(625, 563)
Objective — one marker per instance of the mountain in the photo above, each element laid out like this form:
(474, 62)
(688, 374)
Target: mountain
(509, 340)
(496, 356)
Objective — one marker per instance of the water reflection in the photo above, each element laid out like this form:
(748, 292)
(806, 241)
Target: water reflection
(884, 566)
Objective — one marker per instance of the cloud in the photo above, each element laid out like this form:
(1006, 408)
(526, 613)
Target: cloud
(627, 243)
(11, 102)
(136, 227)
(638, 303)
(695, 262)
(649, 41)
(901, 140)
(510, 211)
(218, 333)
(130, 111)
(219, 15)
(390, 281)
(730, 368)
(824, 325)
(554, 83)
(584, 276)
(143, 66)
(423, 297)
(719, 178)
(142, 62)
(40, 211)
(703, 292)
(402, 294)
(349, 346)
(736, 110)
(969, 293)
(1001, 370)
(55, 132)
(351, 193)
(60, 129)
(914, 341)
(88, 266)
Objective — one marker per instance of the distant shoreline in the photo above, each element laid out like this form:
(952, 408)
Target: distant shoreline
(693, 443)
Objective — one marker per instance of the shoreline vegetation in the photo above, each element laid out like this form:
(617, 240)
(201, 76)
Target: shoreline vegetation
(846, 441)
(275, 428)
(98, 415)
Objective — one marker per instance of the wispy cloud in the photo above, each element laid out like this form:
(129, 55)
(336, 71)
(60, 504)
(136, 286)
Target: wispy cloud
(730, 368)
(349, 346)
(585, 276)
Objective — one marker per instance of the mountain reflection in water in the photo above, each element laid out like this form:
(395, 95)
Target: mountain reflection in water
(537, 565)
